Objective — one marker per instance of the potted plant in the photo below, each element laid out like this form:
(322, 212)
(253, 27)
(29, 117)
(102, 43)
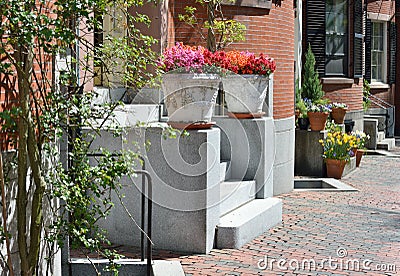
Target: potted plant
(337, 152)
(318, 114)
(190, 85)
(311, 87)
(302, 120)
(245, 81)
(338, 112)
(360, 139)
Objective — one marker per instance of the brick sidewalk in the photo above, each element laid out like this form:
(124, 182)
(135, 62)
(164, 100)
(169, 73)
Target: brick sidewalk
(364, 225)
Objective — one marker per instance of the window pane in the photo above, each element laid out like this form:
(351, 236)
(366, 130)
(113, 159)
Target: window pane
(335, 44)
(377, 52)
(335, 65)
(336, 37)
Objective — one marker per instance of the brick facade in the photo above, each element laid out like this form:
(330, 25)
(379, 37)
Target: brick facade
(384, 10)
(268, 31)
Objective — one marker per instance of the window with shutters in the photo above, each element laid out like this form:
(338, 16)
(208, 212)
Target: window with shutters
(328, 30)
(336, 30)
(378, 52)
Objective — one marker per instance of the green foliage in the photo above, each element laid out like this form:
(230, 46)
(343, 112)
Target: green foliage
(366, 95)
(332, 127)
(221, 32)
(311, 85)
(301, 106)
(49, 110)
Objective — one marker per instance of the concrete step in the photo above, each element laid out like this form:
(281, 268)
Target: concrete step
(247, 222)
(235, 193)
(225, 171)
(381, 136)
(167, 268)
(387, 144)
(381, 121)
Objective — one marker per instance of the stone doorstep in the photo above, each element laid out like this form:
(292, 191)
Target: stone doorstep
(84, 267)
(235, 193)
(247, 222)
(386, 144)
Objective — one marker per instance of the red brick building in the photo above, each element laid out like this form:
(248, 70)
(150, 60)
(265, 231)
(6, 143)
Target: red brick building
(270, 29)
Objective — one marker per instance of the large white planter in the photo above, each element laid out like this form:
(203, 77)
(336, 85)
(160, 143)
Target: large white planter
(245, 93)
(190, 98)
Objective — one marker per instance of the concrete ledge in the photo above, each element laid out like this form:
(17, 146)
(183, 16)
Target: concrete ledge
(322, 185)
(84, 267)
(350, 166)
(247, 222)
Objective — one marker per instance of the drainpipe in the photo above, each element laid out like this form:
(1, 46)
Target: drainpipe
(397, 82)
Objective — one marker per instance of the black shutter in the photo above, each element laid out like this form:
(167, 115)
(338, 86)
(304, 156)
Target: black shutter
(358, 39)
(368, 41)
(392, 56)
(315, 32)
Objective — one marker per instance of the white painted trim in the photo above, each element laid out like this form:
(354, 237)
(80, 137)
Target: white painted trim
(378, 16)
(385, 52)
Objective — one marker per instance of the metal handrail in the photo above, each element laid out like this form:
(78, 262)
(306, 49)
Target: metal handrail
(379, 102)
(145, 174)
(149, 222)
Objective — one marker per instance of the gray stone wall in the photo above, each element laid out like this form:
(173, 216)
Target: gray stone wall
(284, 155)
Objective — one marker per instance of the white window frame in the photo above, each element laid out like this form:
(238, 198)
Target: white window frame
(385, 54)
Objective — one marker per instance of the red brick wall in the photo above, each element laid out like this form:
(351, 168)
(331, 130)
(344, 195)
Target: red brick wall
(383, 7)
(351, 94)
(268, 31)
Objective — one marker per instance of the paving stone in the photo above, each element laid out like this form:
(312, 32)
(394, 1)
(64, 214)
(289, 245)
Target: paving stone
(316, 224)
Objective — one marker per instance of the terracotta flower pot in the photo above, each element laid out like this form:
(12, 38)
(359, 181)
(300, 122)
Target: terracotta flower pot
(338, 114)
(335, 167)
(317, 120)
(359, 155)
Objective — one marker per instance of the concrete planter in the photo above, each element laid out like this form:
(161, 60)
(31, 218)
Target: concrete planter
(245, 93)
(190, 98)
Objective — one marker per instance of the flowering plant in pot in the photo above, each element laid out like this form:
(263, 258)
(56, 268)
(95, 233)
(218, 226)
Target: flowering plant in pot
(317, 114)
(245, 81)
(360, 140)
(302, 119)
(338, 112)
(338, 148)
(190, 85)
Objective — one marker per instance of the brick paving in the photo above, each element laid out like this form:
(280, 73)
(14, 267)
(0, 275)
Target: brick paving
(363, 227)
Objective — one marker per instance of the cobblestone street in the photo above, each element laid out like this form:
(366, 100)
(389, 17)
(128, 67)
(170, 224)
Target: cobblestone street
(357, 231)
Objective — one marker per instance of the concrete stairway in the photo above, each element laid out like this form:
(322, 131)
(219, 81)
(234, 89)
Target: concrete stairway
(378, 131)
(242, 216)
(385, 143)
